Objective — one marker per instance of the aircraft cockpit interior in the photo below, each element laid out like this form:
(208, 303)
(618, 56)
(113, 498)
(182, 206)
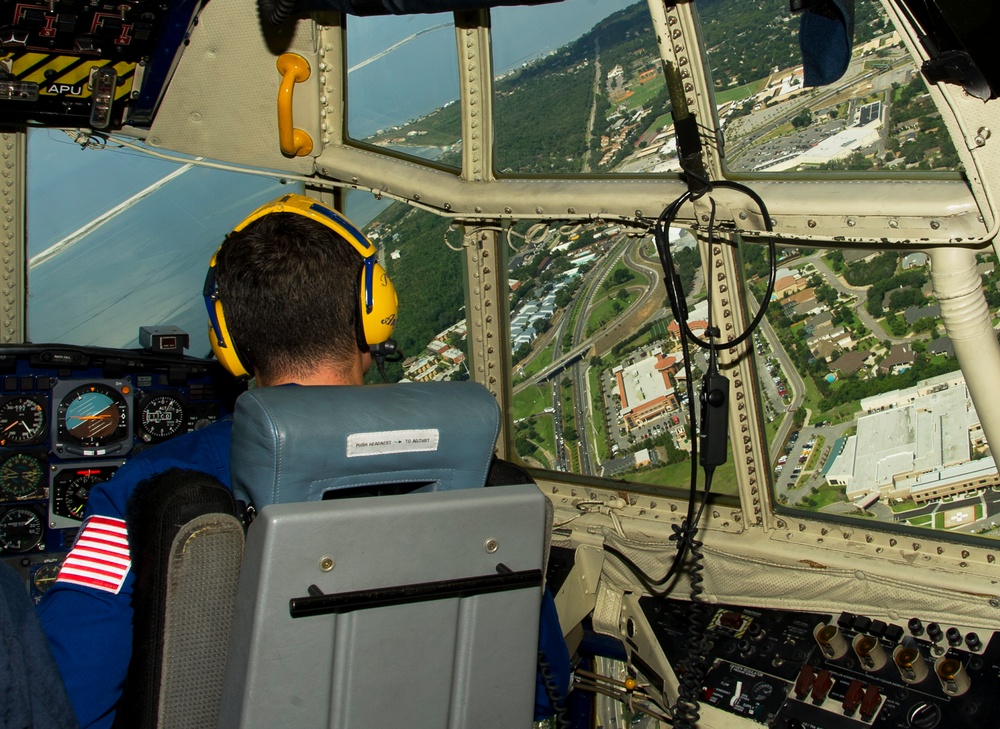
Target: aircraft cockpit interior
(728, 269)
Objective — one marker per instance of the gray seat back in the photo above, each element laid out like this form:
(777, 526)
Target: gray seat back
(418, 609)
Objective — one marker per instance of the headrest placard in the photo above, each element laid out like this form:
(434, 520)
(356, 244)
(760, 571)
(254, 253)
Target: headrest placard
(392, 441)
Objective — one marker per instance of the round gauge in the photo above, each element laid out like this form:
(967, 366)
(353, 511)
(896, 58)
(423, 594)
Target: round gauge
(160, 417)
(21, 529)
(22, 420)
(21, 475)
(44, 577)
(93, 415)
(71, 488)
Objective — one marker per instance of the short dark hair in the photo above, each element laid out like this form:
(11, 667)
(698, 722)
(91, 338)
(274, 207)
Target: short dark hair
(289, 288)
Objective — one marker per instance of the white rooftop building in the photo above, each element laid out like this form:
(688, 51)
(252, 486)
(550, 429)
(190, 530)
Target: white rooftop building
(914, 443)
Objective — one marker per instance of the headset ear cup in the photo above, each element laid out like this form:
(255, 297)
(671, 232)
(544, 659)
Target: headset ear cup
(226, 354)
(377, 324)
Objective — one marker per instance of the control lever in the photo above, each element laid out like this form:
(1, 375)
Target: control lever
(714, 420)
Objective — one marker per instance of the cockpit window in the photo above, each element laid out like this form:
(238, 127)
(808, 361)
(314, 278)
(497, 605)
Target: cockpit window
(599, 378)
(402, 83)
(877, 117)
(118, 240)
(868, 412)
(582, 93)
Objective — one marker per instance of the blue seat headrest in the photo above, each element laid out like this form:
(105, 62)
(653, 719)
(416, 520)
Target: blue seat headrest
(295, 443)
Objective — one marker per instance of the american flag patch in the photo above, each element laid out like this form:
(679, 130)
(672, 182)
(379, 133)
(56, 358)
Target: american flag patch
(100, 557)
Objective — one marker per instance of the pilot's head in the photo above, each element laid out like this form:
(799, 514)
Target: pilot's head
(296, 290)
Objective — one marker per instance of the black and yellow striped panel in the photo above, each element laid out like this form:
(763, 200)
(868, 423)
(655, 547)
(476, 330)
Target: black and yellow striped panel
(66, 76)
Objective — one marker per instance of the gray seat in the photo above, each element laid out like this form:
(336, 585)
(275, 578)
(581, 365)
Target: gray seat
(417, 609)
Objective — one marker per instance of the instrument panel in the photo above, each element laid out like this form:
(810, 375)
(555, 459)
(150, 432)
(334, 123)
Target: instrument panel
(798, 670)
(96, 63)
(69, 418)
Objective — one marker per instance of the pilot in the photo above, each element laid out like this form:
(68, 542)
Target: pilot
(298, 287)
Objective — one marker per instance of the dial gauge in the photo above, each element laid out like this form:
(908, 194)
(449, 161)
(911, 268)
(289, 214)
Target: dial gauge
(44, 577)
(22, 421)
(21, 529)
(21, 475)
(71, 489)
(93, 416)
(160, 417)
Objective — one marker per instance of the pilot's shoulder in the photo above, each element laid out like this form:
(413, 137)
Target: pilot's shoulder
(205, 450)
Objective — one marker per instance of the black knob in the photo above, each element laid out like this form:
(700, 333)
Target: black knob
(934, 632)
(916, 627)
(954, 636)
(973, 642)
(924, 716)
(893, 633)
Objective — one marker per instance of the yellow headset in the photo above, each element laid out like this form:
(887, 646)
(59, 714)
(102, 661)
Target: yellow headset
(377, 306)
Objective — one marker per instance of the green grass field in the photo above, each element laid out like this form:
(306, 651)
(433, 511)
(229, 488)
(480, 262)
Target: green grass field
(642, 93)
(604, 313)
(824, 496)
(546, 428)
(597, 408)
(539, 363)
(531, 400)
(678, 475)
(740, 92)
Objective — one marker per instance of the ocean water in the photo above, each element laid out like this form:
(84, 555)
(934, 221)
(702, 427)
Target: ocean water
(421, 74)
(145, 266)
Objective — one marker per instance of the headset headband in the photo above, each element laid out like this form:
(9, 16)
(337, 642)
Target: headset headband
(377, 301)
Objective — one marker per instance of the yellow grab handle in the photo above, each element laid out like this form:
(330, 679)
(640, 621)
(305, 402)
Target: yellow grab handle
(293, 69)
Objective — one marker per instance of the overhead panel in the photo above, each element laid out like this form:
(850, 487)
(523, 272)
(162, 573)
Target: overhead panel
(90, 64)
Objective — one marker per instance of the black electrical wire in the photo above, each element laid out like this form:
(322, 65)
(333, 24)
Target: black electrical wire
(694, 666)
(692, 669)
(672, 279)
(387, 351)
(678, 306)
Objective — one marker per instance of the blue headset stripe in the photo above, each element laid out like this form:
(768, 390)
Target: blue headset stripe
(211, 293)
(369, 284)
(359, 237)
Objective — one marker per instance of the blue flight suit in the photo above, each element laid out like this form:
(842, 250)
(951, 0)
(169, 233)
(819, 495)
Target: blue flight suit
(90, 627)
